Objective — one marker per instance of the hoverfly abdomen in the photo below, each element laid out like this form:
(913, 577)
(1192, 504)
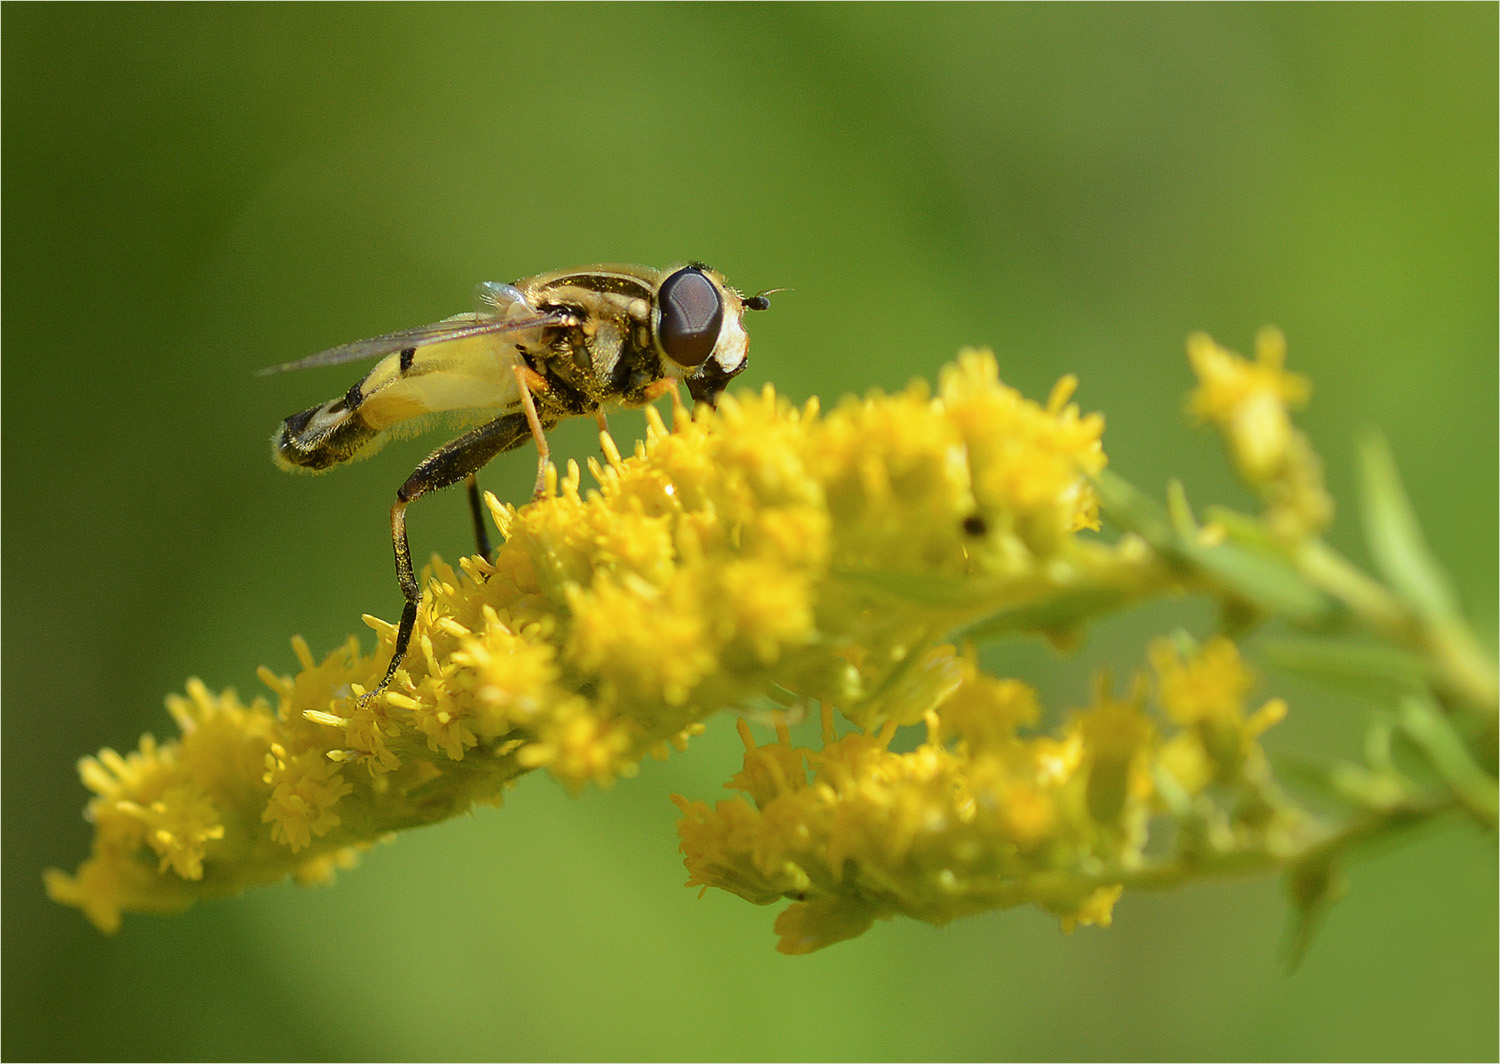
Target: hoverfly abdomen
(323, 437)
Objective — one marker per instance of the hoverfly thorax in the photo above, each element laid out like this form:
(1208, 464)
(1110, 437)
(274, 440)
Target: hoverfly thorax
(635, 327)
(559, 345)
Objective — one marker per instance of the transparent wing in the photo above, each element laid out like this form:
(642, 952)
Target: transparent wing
(459, 327)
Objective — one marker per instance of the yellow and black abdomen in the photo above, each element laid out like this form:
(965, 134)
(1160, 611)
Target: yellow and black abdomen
(324, 436)
(461, 381)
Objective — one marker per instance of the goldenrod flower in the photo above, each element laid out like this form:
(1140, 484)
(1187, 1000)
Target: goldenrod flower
(987, 813)
(1251, 403)
(766, 553)
(1205, 695)
(1248, 400)
(758, 548)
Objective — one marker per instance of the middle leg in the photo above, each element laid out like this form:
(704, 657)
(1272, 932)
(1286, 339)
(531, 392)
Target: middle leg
(476, 509)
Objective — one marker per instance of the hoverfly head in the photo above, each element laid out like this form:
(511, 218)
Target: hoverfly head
(700, 328)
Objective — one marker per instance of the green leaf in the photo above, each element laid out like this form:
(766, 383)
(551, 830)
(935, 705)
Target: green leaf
(1395, 537)
(1421, 722)
(1267, 582)
(1133, 510)
(939, 591)
(1249, 532)
(1378, 673)
(1063, 611)
(1262, 576)
(1312, 887)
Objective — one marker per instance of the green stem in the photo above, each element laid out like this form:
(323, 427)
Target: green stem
(1316, 844)
(1446, 752)
(1462, 671)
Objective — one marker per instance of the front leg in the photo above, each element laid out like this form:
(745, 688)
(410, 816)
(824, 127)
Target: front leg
(449, 464)
(528, 381)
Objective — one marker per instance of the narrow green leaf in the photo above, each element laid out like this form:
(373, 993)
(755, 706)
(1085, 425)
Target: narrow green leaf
(1379, 673)
(1395, 536)
(927, 589)
(1430, 730)
(1179, 512)
(1263, 578)
(1267, 582)
(1312, 888)
(1133, 510)
(1249, 532)
(1064, 610)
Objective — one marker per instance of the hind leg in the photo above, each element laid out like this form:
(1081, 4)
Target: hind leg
(453, 462)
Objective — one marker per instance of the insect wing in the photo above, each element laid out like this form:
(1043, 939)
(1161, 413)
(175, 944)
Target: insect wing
(467, 373)
(459, 327)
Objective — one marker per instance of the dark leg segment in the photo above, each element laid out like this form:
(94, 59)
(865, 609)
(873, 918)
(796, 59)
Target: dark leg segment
(476, 507)
(447, 465)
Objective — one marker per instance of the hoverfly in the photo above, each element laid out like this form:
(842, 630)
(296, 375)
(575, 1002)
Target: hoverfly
(558, 345)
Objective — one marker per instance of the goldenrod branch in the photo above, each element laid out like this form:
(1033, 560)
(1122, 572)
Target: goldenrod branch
(770, 553)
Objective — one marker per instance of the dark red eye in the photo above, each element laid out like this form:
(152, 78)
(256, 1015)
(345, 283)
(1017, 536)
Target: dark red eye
(691, 313)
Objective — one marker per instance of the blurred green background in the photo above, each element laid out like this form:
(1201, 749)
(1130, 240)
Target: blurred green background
(191, 193)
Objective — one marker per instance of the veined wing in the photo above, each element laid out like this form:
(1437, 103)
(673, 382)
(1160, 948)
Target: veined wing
(458, 327)
(457, 367)
(466, 372)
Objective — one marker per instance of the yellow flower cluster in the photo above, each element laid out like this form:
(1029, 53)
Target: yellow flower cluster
(1251, 403)
(987, 813)
(759, 549)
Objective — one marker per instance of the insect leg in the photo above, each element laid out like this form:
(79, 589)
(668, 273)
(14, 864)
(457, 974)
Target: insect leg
(481, 533)
(527, 379)
(681, 415)
(449, 464)
(656, 389)
(666, 386)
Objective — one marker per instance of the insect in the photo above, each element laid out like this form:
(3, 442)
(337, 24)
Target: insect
(558, 345)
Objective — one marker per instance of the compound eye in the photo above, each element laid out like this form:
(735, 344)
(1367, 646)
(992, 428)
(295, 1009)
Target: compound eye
(691, 313)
